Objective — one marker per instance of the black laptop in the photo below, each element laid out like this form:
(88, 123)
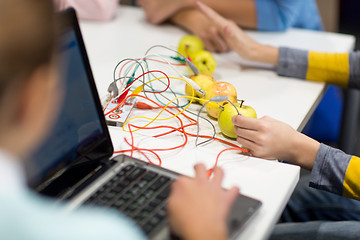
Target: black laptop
(75, 163)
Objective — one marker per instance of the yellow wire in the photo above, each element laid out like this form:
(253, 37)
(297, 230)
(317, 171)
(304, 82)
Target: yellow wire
(163, 109)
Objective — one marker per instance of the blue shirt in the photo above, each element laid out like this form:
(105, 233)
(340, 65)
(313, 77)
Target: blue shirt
(26, 215)
(279, 15)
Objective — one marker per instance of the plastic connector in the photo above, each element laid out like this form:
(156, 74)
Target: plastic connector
(218, 99)
(192, 67)
(195, 85)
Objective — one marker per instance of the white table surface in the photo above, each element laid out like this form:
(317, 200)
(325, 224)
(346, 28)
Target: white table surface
(289, 100)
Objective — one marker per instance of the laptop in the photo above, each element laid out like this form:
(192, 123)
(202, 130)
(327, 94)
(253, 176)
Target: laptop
(76, 164)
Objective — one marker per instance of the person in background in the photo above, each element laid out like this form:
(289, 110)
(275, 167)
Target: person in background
(263, 15)
(327, 214)
(97, 10)
(30, 94)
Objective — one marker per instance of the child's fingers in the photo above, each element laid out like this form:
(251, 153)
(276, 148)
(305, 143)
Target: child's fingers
(246, 122)
(218, 176)
(201, 172)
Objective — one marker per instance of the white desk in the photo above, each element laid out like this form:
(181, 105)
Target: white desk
(288, 100)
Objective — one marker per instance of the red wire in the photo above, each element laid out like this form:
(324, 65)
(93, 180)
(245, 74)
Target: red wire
(180, 129)
(140, 150)
(148, 150)
(163, 126)
(210, 171)
(131, 125)
(153, 71)
(143, 105)
(154, 60)
(123, 100)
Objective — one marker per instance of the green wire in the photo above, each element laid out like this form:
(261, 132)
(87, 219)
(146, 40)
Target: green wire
(151, 86)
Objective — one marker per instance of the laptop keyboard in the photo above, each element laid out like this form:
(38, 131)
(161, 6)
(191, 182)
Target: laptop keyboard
(139, 193)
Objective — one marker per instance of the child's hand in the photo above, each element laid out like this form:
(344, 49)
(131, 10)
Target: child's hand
(238, 40)
(235, 37)
(264, 137)
(271, 139)
(198, 24)
(198, 207)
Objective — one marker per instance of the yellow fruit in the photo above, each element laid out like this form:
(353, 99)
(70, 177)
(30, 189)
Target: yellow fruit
(204, 61)
(225, 124)
(204, 81)
(219, 89)
(190, 44)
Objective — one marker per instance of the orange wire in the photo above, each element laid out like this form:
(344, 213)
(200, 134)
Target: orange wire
(210, 171)
(123, 100)
(148, 150)
(181, 122)
(190, 134)
(180, 129)
(163, 126)
(140, 150)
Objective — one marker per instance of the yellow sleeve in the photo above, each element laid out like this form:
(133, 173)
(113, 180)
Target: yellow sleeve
(351, 188)
(331, 68)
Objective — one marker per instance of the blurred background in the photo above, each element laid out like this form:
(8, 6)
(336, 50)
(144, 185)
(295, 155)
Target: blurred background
(341, 16)
(344, 16)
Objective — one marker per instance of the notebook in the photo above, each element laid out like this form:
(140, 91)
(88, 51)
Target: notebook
(76, 164)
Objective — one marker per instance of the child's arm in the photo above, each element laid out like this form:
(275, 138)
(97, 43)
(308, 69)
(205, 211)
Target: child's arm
(341, 69)
(100, 10)
(332, 170)
(336, 172)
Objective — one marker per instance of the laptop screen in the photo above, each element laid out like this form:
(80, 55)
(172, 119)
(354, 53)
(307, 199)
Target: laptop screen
(79, 125)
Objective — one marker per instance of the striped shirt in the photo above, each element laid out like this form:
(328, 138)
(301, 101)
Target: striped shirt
(333, 171)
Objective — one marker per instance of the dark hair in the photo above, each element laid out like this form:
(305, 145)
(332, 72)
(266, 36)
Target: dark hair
(26, 38)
